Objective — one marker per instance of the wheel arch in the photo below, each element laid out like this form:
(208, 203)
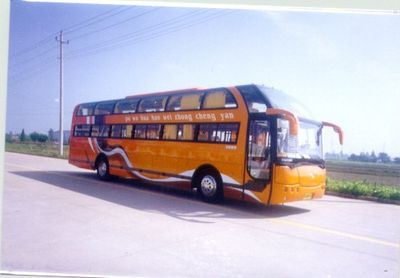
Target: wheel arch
(98, 158)
(206, 167)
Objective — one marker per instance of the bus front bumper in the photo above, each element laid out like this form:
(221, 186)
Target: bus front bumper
(300, 183)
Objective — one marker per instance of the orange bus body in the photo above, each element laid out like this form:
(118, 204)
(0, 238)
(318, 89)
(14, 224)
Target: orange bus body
(216, 167)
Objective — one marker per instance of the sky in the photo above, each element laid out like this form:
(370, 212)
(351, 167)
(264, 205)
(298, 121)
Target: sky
(344, 67)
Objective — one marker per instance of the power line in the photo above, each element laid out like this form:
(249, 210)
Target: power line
(163, 28)
(150, 32)
(27, 61)
(33, 46)
(50, 38)
(113, 25)
(15, 72)
(14, 81)
(96, 21)
(146, 29)
(179, 28)
(88, 22)
(141, 38)
(130, 35)
(20, 78)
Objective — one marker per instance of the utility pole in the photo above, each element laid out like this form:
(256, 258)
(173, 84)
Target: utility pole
(62, 42)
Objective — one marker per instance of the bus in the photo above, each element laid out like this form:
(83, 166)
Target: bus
(248, 142)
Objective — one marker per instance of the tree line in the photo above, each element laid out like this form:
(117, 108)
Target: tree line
(371, 157)
(32, 137)
(381, 157)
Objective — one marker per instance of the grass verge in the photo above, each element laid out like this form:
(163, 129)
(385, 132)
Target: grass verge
(42, 149)
(365, 189)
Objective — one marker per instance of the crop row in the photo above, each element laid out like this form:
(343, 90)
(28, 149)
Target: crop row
(362, 188)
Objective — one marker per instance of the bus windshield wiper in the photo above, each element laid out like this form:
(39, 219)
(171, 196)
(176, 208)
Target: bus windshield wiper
(309, 161)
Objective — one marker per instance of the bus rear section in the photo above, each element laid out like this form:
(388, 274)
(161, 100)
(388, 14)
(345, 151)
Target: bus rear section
(193, 138)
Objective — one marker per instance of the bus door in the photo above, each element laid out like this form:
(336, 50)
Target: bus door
(259, 154)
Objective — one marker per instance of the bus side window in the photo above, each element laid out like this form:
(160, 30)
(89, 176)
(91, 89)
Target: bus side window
(104, 131)
(95, 131)
(219, 99)
(104, 108)
(82, 131)
(100, 131)
(153, 132)
(186, 132)
(254, 100)
(223, 133)
(116, 131)
(152, 104)
(190, 101)
(227, 133)
(121, 131)
(126, 106)
(127, 131)
(86, 109)
(206, 132)
(170, 132)
(140, 132)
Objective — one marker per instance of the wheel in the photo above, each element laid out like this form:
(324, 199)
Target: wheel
(209, 186)
(103, 169)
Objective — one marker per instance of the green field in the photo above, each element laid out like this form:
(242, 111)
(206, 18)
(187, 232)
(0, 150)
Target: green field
(377, 181)
(42, 149)
(364, 189)
(367, 168)
(371, 173)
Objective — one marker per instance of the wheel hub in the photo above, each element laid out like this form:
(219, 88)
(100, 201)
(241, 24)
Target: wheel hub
(102, 168)
(208, 185)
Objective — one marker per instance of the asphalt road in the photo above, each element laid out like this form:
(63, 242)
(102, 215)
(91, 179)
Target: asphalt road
(61, 219)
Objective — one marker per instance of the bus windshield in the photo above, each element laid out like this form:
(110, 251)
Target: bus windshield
(279, 99)
(309, 141)
(307, 145)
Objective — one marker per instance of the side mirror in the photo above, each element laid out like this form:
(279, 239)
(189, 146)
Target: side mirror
(337, 129)
(293, 121)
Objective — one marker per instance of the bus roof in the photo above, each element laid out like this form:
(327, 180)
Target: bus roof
(167, 92)
(279, 99)
(272, 97)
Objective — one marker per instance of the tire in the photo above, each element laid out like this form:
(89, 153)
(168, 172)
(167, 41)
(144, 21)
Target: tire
(103, 169)
(209, 186)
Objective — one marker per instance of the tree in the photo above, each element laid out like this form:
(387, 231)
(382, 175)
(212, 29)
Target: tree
(42, 138)
(353, 157)
(34, 136)
(396, 160)
(9, 137)
(51, 135)
(38, 137)
(22, 136)
(384, 157)
(373, 157)
(366, 157)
